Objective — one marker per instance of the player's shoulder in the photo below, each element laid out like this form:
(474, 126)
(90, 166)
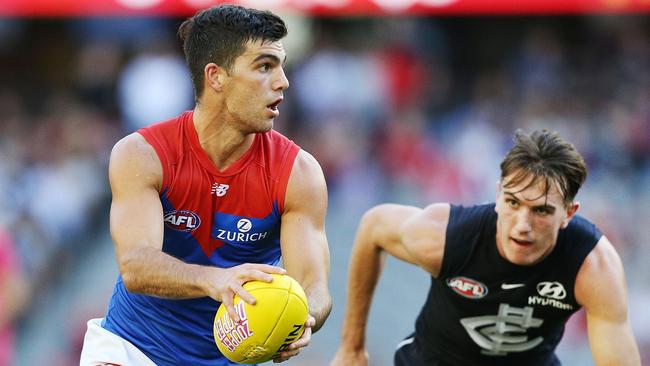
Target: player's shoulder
(133, 155)
(603, 254)
(411, 215)
(431, 217)
(429, 223)
(306, 183)
(132, 146)
(306, 161)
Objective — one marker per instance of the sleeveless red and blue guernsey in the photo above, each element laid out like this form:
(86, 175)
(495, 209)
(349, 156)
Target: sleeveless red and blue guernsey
(211, 217)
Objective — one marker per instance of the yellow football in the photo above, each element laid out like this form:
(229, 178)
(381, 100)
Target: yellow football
(275, 321)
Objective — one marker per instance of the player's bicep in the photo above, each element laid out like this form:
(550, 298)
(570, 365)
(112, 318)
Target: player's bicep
(136, 219)
(424, 236)
(304, 245)
(601, 290)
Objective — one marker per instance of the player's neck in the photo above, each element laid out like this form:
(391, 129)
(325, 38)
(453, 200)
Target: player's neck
(223, 143)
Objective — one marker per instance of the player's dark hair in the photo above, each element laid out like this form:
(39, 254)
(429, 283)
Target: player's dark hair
(219, 34)
(549, 159)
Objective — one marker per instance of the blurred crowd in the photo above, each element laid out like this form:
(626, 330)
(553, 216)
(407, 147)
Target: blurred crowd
(409, 110)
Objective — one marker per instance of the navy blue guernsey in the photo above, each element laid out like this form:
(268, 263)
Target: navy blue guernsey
(484, 310)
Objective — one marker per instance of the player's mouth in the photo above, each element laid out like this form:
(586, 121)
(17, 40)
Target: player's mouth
(522, 243)
(273, 107)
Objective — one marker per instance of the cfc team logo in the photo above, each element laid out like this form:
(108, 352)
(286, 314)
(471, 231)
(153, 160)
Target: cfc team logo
(182, 220)
(504, 332)
(467, 287)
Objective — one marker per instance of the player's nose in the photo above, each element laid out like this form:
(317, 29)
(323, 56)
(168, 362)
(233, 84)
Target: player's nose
(281, 82)
(523, 221)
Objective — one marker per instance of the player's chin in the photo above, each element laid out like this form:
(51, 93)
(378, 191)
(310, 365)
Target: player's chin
(264, 126)
(524, 259)
(519, 257)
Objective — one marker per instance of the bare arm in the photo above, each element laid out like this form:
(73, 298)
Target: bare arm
(305, 252)
(601, 290)
(136, 221)
(407, 233)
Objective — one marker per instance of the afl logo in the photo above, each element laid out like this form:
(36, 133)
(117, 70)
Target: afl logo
(467, 287)
(554, 290)
(182, 220)
(244, 225)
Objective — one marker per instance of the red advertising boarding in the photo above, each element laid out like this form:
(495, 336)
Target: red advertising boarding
(66, 8)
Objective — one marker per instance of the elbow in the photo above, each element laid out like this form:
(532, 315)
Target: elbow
(129, 282)
(372, 216)
(328, 306)
(371, 228)
(322, 312)
(370, 221)
(128, 270)
(128, 279)
(327, 309)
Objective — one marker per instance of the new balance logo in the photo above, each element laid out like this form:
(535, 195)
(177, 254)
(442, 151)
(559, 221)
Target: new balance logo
(220, 189)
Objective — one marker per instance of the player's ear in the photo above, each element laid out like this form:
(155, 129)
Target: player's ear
(214, 76)
(571, 211)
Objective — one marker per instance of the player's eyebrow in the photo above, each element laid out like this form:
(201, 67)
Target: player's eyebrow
(512, 195)
(271, 57)
(549, 208)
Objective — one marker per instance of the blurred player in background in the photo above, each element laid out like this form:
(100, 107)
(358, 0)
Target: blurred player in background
(210, 200)
(14, 296)
(506, 276)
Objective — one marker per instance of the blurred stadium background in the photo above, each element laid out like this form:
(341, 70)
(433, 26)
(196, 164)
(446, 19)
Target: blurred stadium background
(400, 100)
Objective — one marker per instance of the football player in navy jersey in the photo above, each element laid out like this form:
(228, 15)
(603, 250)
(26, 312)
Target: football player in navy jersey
(505, 277)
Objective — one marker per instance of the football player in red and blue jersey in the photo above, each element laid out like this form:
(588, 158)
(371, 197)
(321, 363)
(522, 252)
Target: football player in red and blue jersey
(207, 201)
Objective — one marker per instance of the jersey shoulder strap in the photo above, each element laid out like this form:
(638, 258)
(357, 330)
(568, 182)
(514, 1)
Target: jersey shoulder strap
(466, 227)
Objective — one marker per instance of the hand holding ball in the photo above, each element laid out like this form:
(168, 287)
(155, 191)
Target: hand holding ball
(275, 321)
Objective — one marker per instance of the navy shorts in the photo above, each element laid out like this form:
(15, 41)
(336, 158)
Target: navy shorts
(409, 354)
(412, 353)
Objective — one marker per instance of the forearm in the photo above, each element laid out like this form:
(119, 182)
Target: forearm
(311, 270)
(365, 268)
(152, 272)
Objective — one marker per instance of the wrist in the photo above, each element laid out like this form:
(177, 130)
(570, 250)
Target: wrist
(204, 279)
(353, 340)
